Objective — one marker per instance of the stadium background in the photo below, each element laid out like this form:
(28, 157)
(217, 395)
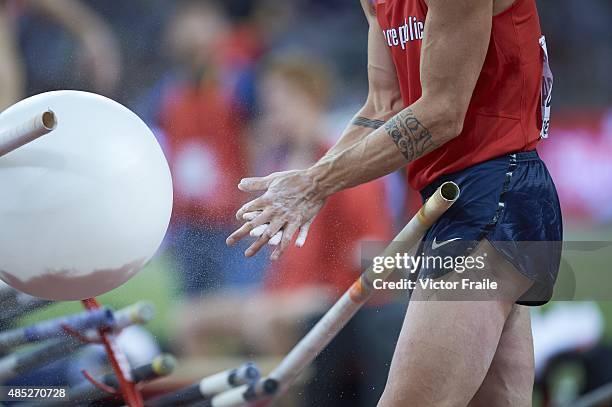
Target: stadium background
(206, 77)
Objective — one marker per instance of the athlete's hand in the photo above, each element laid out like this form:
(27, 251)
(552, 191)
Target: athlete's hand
(289, 203)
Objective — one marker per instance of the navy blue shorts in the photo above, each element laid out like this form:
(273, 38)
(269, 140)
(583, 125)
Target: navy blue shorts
(512, 202)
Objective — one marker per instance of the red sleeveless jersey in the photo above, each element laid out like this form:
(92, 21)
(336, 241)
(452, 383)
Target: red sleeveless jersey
(504, 115)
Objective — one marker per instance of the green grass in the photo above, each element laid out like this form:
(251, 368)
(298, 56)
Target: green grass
(593, 271)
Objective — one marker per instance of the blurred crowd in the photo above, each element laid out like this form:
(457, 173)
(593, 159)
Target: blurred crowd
(248, 87)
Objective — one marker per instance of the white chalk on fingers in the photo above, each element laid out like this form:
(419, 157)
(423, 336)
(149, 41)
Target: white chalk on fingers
(259, 230)
(276, 239)
(249, 216)
(301, 239)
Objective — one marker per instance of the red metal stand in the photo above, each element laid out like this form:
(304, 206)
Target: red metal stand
(127, 388)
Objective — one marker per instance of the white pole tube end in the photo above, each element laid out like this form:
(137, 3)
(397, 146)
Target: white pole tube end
(39, 125)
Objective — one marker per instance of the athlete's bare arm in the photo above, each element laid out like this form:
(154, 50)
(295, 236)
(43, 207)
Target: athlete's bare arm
(454, 47)
(384, 98)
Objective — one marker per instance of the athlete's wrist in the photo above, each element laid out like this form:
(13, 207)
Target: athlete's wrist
(321, 175)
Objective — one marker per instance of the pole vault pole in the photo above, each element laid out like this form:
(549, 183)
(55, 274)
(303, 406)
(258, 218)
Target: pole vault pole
(307, 349)
(39, 125)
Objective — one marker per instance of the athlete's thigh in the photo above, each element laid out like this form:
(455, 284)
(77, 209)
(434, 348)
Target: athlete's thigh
(446, 346)
(509, 381)
(443, 353)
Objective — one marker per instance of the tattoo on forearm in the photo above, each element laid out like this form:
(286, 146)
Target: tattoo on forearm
(410, 135)
(365, 122)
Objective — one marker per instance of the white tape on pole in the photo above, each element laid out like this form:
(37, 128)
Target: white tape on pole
(21, 134)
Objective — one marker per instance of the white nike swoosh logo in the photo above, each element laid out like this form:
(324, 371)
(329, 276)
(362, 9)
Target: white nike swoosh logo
(435, 244)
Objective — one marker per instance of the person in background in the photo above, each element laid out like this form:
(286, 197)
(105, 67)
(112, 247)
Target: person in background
(100, 55)
(203, 123)
(11, 76)
(100, 52)
(300, 287)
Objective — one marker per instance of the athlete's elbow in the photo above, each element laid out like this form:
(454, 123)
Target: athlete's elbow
(455, 125)
(447, 113)
(449, 124)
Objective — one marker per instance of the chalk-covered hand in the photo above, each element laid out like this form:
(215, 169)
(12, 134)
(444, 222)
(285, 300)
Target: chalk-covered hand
(289, 203)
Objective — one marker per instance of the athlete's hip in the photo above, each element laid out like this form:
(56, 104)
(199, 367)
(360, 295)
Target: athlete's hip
(514, 189)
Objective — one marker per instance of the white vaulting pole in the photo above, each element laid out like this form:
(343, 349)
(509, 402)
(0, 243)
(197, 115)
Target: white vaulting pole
(307, 349)
(15, 137)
